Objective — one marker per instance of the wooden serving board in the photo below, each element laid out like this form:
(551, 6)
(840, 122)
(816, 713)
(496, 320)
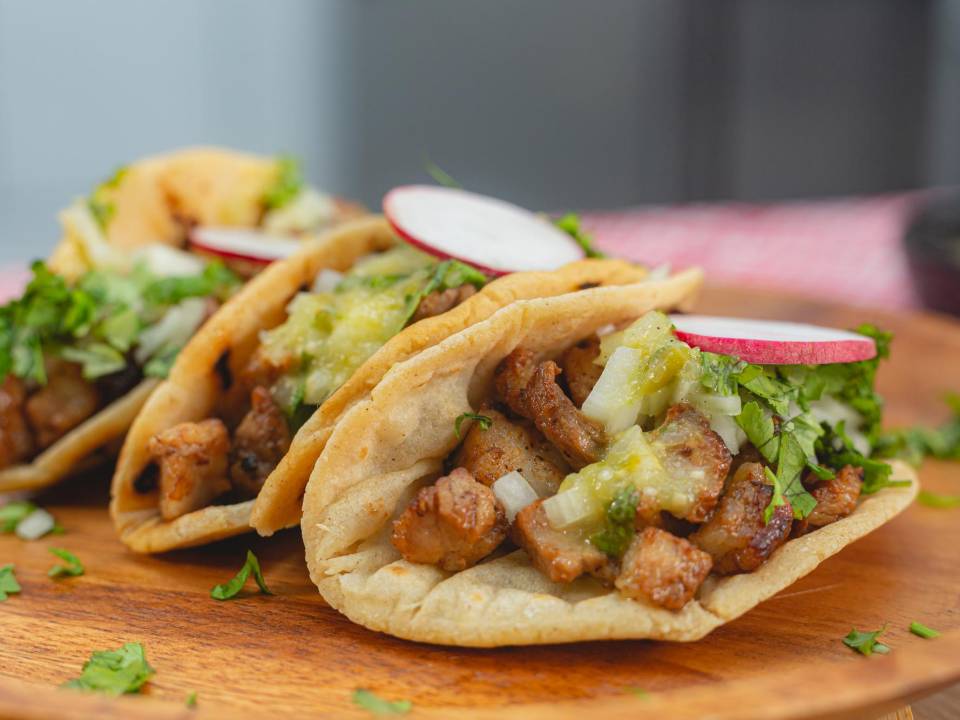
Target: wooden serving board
(289, 653)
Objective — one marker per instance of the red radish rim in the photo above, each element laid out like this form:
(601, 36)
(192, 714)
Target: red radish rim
(825, 346)
(390, 211)
(196, 240)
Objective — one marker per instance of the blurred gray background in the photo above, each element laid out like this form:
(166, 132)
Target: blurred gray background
(552, 103)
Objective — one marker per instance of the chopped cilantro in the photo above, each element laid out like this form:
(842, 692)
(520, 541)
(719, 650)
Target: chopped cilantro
(718, 373)
(8, 582)
(618, 528)
(777, 500)
(639, 692)
(866, 643)
(114, 672)
(484, 421)
(216, 279)
(935, 500)
(440, 176)
(101, 207)
(378, 706)
(13, 512)
(914, 444)
(192, 699)
(835, 449)
(73, 567)
(229, 589)
(918, 628)
(570, 224)
(286, 186)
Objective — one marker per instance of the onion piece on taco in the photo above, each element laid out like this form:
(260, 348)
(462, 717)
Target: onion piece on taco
(569, 470)
(232, 435)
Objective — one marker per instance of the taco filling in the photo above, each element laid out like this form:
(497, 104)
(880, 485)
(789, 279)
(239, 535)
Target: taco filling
(649, 464)
(329, 331)
(69, 349)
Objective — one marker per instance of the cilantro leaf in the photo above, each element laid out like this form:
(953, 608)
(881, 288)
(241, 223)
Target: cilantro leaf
(286, 186)
(791, 463)
(216, 280)
(229, 589)
(484, 422)
(618, 528)
(570, 224)
(73, 568)
(777, 500)
(921, 630)
(440, 176)
(13, 512)
(835, 449)
(760, 430)
(378, 706)
(192, 699)
(718, 373)
(916, 443)
(114, 672)
(936, 500)
(866, 643)
(8, 582)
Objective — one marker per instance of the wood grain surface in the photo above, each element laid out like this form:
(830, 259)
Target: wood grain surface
(289, 653)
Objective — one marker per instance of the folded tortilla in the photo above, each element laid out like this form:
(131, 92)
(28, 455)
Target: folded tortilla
(195, 387)
(395, 440)
(155, 199)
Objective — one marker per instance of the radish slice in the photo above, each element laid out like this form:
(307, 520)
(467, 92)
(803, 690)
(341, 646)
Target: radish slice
(767, 342)
(243, 244)
(494, 236)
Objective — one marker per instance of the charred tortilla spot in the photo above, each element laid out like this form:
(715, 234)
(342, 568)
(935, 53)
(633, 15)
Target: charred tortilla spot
(146, 481)
(588, 285)
(223, 370)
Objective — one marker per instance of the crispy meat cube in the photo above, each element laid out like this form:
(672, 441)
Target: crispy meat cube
(16, 440)
(192, 457)
(693, 454)
(542, 400)
(62, 404)
(440, 301)
(509, 445)
(260, 441)
(563, 557)
(662, 568)
(454, 523)
(579, 369)
(736, 536)
(835, 498)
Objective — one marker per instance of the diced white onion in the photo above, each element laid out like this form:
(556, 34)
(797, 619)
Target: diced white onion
(82, 228)
(711, 405)
(514, 493)
(174, 328)
(570, 507)
(309, 210)
(610, 402)
(732, 434)
(35, 525)
(166, 261)
(326, 280)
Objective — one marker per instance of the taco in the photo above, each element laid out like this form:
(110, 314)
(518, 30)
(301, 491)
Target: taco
(250, 403)
(159, 200)
(79, 357)
(569, 470)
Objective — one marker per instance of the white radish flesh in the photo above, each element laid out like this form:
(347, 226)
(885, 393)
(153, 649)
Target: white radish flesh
(242, 244)
(767, 342)
(494, 236)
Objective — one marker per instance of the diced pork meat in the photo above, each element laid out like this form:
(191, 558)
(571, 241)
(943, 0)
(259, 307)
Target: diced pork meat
(262, 370)
(192, 458)
(440, 301)
(63, 403)
(454, 523)
(16, 440)
(260, 441)
(662, 568)
(736, 535)
(509, 445)
(579, 369)
(561, 556)
(511, 378)
(580, 439)
(695, 456)
(835, 498)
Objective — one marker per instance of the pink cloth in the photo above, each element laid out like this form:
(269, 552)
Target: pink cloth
(845, 251)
